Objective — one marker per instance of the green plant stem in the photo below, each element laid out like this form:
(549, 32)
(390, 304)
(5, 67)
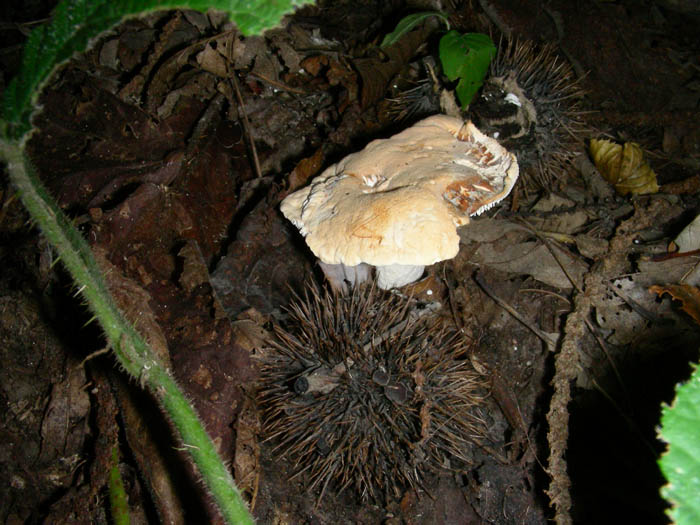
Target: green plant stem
(118, 502)
(200, 447)
(132, 352)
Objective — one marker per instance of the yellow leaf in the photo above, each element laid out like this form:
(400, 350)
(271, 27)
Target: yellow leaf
(624, 167)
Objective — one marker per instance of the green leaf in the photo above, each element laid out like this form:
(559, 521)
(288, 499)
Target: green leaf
(680, 427)
(75, 22)
(407, 23)
(466, 57)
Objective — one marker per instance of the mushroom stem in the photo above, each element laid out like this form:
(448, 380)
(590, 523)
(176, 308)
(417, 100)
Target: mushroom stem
(396, 275)
(340, 275)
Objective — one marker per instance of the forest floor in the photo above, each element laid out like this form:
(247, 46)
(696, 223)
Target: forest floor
(171, 144)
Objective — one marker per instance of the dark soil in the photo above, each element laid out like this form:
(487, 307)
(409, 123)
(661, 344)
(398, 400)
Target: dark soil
(171, 144)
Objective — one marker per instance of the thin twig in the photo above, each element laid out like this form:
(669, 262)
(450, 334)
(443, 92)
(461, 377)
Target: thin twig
(545, 292)
(241, 110)
(93, 355)
(546, 338)
(459, 323)
(278, 84)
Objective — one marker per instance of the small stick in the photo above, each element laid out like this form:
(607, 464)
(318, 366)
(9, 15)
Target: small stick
(246, 123)
(277, 84)
(548, 339)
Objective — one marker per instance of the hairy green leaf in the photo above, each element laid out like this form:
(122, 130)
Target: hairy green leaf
(466, 57)
(680, 427)
(75, 22)
(409, 22)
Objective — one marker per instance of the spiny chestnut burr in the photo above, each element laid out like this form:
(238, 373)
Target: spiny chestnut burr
(531, 102)
(362, 391)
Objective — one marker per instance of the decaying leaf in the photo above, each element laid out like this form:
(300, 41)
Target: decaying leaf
(134, 302)
(194, 270)
(624, 167)
(689, 296)
(247, 459)
(211, 60)
(249, 332)
(534, 259)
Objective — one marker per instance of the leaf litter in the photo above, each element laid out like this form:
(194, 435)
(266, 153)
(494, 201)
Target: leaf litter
(142, 141)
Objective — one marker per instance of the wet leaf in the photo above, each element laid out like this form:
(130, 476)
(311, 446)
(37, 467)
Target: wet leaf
(466, 57)
(624, 167)
(409, 22)
(689, 296)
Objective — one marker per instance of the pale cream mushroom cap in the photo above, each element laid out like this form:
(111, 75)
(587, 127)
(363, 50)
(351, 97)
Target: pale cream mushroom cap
(404, 226)
(400, 200)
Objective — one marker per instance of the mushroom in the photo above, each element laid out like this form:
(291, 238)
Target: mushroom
(396, 204)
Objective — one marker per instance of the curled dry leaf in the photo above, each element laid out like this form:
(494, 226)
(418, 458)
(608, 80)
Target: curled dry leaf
(624, 167)
(689, 239)
(689, 296)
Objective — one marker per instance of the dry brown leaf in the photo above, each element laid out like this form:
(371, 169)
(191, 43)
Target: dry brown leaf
(246, 464)
(624, 167)
(590, 246)
(487, 230)
(134, 302)
(194, 271)
(305, 169)
(377, 71)
(534, 259)
(65, 419)
(689, 296)
(249, 332)
(211, 60)
(250, 335)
